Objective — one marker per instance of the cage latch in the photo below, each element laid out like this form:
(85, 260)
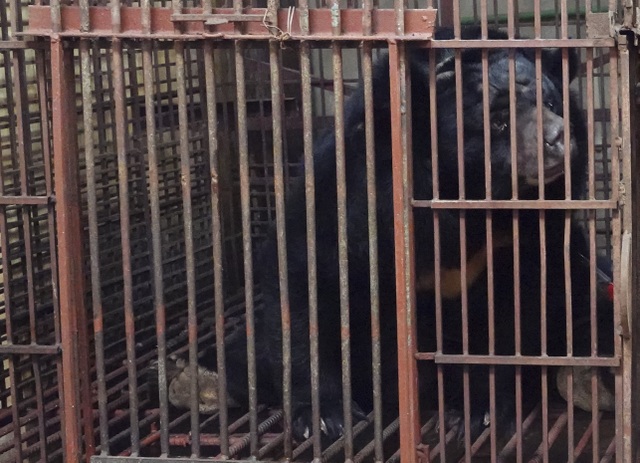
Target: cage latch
(217, 19)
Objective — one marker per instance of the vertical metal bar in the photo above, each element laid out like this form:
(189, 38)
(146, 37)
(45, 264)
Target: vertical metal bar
(463, 233)
(214, 165)
(433, 103)
(543, 251)
(367, 70)
(543, 241)
(626, 445)
(516, 231)
(187, 214)
(185, 180)
(445, 12)
(125, 225)
(68, 217)
(51, 210)
(621, 346)
(567, 232)
(156, 244)
(56, 18)
(278, 170)
(537, 20)
(604, 141)
(404, 248)
(343, 259)
(592, 253)
(486, 114)
(264, 163)
(310, 195)
(83, 335)
(94, 246)
(245, 199)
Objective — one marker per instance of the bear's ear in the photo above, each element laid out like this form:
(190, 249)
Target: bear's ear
(552, 63)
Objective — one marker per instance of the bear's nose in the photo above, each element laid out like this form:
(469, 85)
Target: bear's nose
(554, 134)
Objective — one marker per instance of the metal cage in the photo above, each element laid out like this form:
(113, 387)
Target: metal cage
(147, 150)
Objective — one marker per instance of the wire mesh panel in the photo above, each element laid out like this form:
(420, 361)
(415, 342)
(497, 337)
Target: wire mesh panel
(318, 232)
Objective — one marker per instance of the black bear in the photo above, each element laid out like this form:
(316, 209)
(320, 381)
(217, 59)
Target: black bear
(269, 328)
(528, 221)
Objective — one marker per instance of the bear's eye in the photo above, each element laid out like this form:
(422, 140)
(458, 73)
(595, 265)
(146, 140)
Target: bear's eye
(499, 126)
(500, 122)
(550, 105)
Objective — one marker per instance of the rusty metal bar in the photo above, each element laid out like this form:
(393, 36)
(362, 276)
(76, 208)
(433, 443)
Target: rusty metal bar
(334, 449)
(249, 316)
(515, 204)
(125, 225)
(211, 19)
(587, 436)
(132, 459)
(26, 200)
(94, 247)
(418, 24)
(310, 195)
(372, 223)
(278, 170)
(343, 259)
(515, 223)
(68, 220)
(466, 394)
(556, 429)
(156, 250)
(43, 101)
(369, 449)
(214, 165)
(610, 453)
(519, 360)
(441, 447)
(28, 349)
(513, 442)
(520, 43)
(567, 232)
(22, 45)
(436, 242)
(486, 114)
(245, 200)
(404, 255)
(593, 310)
(626, 149)
(185, 180)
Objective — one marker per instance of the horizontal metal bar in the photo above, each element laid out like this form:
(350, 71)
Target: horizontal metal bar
(516, 204)
(419, 24)
(25, 200)
(518, 360)
(122, 459)
(216, 19)
(351, 40)
(21, 44)
(525, 43)
(29, 349)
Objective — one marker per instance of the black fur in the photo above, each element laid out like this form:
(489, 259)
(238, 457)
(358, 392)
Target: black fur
(269, 334)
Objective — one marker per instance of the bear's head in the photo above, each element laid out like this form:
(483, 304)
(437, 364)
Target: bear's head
(524, 102)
